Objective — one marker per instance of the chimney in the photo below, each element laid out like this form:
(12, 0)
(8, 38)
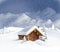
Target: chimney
(38, 26)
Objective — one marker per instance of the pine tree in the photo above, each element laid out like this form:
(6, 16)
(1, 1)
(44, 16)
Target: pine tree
(44, 30)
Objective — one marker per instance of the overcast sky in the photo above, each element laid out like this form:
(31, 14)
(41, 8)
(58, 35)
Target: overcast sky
(17, 6)
(11, 10)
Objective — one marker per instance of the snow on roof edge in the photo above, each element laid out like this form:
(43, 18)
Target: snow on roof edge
(33, 29)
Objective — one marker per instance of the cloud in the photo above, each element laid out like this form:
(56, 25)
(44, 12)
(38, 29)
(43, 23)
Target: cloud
(48, 13)
(7, 18)
(19, 20)
(1, 1)
(29, 19)
(3, 17)
(58, 1)
(23, 20)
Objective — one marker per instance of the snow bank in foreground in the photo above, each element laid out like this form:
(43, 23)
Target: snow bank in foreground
(9, 43)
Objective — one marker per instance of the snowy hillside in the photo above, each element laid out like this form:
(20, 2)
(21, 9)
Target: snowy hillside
(9, 42)
(7, 30)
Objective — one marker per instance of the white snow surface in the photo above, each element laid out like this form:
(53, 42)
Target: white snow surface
(9, 43)
(7, 30)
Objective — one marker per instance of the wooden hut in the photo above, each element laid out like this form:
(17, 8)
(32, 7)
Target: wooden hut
(32, 34)
(21, 37)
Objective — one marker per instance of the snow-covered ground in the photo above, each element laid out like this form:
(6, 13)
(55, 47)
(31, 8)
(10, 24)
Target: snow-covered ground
(9, 42)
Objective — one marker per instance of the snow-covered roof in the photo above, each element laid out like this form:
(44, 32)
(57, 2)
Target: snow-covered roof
(35, 27)
(26, 31)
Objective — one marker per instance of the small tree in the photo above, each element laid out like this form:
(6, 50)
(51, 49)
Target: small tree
(44, 30)
(53, 27)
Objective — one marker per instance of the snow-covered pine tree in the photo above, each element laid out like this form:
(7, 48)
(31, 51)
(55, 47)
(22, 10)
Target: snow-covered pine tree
(53, 27)
(44, 31)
